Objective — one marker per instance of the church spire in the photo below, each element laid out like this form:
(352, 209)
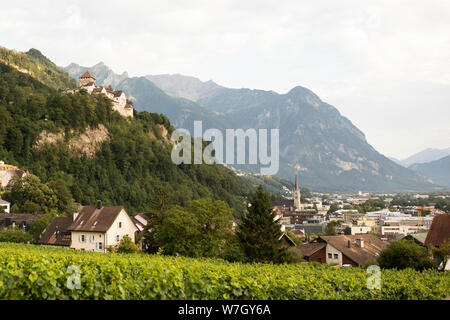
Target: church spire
(297, 196)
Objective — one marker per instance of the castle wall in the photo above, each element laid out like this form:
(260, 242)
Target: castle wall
(119, 102)
(85, 81)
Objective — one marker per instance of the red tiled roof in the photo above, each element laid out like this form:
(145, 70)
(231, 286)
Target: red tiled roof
(87, 74)
(439, 231)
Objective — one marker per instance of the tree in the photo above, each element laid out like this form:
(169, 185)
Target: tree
(126, 245)
(65, 202)
(202, 229)
(404, 254)
(294, 238)
(259, 233)
(330, 230)
(15, 234)
(38, 226)
(347, 230)
(160, 202)
(30, 194)
(334, 207)
(441, 255)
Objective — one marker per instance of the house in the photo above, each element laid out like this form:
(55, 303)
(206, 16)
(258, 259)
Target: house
(7, 172)
(298, 233)
(439, 233)
(20, 220)
(5, 205)
(287, 241)
(95, 228)
(141, 221)
(313, 252)
(354, 250)
(56, 233)
(418, 237)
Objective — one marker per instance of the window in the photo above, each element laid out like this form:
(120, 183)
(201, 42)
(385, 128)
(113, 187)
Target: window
(336, 256)
(120, 224)
(117, 238)
(91, 238)
(100, 245)
(82, 238)
(330, 256)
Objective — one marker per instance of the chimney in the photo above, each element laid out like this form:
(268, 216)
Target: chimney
(348, 244)
(360, 242)
(99, 204)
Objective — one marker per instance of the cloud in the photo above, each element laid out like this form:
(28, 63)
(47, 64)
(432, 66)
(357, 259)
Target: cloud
(384, 64)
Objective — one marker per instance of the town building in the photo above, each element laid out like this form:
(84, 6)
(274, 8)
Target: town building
(354, 250)
(118, 97)
(5, 206)
(141, 222)
(17, 220)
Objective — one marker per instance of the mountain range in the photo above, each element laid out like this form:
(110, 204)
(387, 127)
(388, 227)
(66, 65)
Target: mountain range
(427, 155)
(437, 170)
(323, 147)
(90, 151)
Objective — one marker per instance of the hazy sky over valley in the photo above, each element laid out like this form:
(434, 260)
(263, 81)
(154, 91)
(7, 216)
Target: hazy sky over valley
(385, 65)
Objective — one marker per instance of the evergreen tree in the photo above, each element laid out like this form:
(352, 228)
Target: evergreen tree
(259, 232)
(330, 230)
(160, 202)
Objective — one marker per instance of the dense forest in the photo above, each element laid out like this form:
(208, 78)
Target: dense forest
(38, 66)
(127, 166)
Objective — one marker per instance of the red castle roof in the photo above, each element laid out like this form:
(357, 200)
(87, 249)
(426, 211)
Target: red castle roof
(87, 74)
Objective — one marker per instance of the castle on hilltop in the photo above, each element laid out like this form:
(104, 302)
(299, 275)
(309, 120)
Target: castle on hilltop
(118, 97)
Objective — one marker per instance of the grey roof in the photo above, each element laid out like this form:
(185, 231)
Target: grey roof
(419, 236)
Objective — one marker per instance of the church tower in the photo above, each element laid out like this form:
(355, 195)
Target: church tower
(297, 202)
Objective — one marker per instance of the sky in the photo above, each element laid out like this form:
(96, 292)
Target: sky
(385, 65)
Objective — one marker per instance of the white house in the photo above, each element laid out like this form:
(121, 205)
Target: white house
(5, 205)
(95, 228)
(361, 229)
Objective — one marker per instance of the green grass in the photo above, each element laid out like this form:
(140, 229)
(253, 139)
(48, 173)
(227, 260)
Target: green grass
(40, 272)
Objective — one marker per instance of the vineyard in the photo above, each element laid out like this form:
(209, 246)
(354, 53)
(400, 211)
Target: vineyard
(38, 272)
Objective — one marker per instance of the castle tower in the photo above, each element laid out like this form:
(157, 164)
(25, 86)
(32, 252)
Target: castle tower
(297, 201)
(87, 79)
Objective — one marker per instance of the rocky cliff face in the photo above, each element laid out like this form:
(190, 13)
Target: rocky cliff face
(316, 141)
(87, 142)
